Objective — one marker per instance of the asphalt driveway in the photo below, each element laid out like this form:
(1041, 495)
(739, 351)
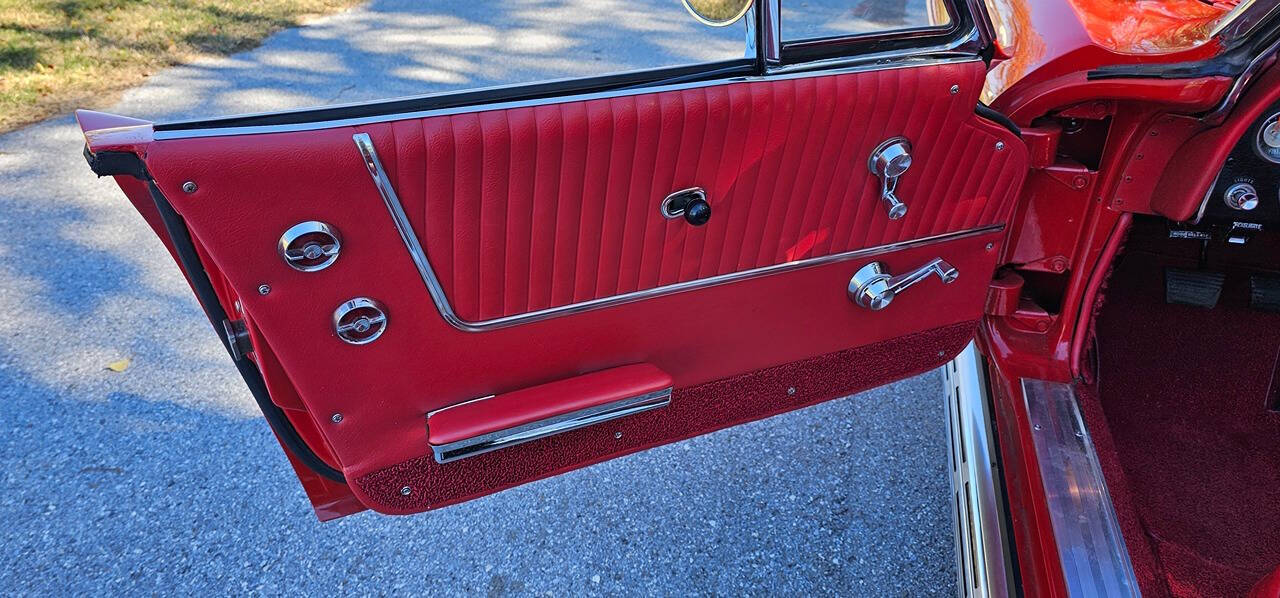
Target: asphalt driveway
(163, 478)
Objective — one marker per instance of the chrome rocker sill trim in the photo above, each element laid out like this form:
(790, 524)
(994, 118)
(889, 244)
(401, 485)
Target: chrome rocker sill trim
(982, 559)
(484, 443)
(1094, 559)
(383, 183)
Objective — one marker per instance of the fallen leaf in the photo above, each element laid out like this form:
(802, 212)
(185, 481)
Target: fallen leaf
(119, 365)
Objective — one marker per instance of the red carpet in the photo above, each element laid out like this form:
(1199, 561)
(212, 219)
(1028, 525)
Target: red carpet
(1183, 390)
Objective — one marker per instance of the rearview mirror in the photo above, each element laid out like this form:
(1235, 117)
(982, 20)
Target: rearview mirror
(717, 13)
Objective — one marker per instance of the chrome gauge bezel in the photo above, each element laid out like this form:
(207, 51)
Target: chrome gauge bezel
(1271, 155)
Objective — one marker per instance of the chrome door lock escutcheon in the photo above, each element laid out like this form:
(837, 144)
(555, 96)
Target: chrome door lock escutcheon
(890, 160)
(310, 246)
(873, 288)
(360, 321)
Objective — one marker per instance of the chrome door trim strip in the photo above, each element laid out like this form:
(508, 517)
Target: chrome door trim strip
(873, 62)
(1091, 548)
(1218, 115)
(484, 443)
(983, 561)
(389, 197)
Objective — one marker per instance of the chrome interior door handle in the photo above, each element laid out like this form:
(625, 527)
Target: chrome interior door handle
(873, 288)
(889, 161)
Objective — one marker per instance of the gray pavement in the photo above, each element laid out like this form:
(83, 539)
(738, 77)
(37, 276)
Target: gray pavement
(163, 478)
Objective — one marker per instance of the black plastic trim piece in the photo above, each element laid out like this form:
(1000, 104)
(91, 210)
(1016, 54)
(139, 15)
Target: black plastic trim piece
(116, 163)
(841, 47)
(726, 72)
(180, 237)
(1227, 64)
(997, 117)
(759, 61)
(479, 97)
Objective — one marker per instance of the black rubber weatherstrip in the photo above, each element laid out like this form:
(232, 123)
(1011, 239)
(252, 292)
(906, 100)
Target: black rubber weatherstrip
(997, 117)
(477, 97)
(182, 245)
(1010, 548)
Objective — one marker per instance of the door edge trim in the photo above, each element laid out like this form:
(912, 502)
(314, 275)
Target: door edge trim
(866, 63)
(983, 561)
(369, 155)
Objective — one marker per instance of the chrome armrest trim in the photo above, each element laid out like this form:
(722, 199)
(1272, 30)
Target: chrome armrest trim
(983, 561)
(582, 418)
(1091, 548)
(419, 255)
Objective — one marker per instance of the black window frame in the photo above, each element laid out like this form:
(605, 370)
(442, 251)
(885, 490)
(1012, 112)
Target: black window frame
(968, 35)
(963, 34)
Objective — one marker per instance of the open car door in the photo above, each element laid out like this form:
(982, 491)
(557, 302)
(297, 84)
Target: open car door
(437, 298)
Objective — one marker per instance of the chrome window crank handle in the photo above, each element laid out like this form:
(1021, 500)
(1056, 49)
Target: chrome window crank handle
(873, 288)
(889, 161)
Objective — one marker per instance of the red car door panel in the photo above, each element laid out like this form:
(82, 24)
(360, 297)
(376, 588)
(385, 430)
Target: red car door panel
(532, 208)
(541, 227)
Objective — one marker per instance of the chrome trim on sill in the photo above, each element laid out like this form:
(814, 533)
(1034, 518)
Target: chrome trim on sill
(879, 62)
(383, 183)
(982, 559)
(551, 426)
(1091, 549)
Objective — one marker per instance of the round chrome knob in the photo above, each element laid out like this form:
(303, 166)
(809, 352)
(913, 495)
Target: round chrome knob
(310, 246)
(1270, 134)
(891, 158)
(896, 208)
(360, 321)
(1241, 196)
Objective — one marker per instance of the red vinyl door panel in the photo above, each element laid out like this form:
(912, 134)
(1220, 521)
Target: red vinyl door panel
(545, 261)
(533, 208)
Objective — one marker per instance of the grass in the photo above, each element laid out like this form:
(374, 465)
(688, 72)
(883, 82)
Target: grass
(56, 55)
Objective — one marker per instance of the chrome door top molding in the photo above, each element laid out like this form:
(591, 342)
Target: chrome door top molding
(364, 143)
(877, 62)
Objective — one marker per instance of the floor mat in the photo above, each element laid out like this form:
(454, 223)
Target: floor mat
(1184, 391)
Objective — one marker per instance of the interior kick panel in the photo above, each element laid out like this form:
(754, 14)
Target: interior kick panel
(791, 186)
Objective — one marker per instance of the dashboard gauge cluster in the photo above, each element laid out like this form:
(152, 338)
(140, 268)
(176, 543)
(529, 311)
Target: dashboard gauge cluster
(1267, 139)
(1248, 186)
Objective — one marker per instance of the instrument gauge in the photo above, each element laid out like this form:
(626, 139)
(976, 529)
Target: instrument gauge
(1268, 142)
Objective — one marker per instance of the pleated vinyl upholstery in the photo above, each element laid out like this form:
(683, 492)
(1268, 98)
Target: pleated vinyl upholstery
(527, 208)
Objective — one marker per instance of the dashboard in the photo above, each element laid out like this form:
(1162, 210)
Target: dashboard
(1247, 191)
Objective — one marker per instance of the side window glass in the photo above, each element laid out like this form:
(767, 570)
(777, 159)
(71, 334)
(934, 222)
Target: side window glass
(480, 43)
(817, 19)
